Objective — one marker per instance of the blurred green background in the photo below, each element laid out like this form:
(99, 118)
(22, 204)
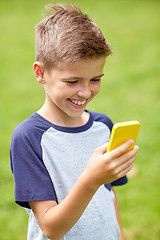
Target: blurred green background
(130, 91)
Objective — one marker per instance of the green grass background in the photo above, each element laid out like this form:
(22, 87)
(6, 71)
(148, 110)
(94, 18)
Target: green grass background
(130, 90)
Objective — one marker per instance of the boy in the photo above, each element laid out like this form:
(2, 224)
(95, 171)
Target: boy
(63, 176)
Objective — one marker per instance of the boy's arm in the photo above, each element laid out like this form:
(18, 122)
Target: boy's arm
(118, 216)
(56, 220)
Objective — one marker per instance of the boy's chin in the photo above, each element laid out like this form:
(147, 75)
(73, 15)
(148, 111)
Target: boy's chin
(76, 115)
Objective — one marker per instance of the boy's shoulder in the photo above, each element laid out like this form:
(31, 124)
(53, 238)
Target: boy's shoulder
(32, 126)
(100, 117)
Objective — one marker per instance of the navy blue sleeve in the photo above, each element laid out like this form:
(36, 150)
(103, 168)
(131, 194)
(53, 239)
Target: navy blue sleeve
(32, 181)
(100, 117)
(120, 181)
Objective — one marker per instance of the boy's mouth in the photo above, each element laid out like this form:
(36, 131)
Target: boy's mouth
(79, 103)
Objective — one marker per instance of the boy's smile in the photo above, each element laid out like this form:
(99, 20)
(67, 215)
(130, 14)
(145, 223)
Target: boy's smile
(69, 88)
(78, 103)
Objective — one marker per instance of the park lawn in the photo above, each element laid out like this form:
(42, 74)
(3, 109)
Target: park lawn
(130, 91)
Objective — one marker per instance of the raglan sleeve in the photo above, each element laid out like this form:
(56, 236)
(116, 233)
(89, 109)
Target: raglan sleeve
(32, 180)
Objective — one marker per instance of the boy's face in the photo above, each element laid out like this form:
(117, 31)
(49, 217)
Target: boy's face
(70, 87)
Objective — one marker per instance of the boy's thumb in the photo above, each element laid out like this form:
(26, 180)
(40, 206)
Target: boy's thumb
(102, 149)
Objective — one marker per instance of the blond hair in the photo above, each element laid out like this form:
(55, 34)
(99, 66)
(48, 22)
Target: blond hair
(68, 35)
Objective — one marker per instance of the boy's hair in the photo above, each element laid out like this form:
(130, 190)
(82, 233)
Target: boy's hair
(68, 35)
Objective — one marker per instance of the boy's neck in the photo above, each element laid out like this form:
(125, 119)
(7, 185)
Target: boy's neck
(61, 120)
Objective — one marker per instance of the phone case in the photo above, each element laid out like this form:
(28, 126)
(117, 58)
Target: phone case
(121, 132)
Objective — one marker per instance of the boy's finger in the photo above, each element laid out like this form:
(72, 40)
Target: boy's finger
(129, 154)
(102, 149)
(121, 149)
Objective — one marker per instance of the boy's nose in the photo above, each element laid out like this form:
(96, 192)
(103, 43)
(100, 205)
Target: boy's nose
(84, 92)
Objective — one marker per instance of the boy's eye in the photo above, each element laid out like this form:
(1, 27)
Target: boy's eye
(72, 82)
(95, 79)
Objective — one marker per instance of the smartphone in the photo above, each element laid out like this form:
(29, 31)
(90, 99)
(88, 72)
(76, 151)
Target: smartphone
(121, 132)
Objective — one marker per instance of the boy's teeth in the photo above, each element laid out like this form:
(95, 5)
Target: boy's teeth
(79, 102)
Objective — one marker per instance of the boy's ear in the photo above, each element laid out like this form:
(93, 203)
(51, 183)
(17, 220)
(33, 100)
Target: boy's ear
(38, 69)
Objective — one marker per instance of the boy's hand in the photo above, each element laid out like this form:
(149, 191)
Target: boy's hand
(107, 167)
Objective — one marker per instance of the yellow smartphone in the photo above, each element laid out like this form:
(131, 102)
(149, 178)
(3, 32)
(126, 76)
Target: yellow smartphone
(121, 132)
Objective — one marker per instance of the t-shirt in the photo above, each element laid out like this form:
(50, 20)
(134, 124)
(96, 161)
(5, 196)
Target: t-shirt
(47, 160)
